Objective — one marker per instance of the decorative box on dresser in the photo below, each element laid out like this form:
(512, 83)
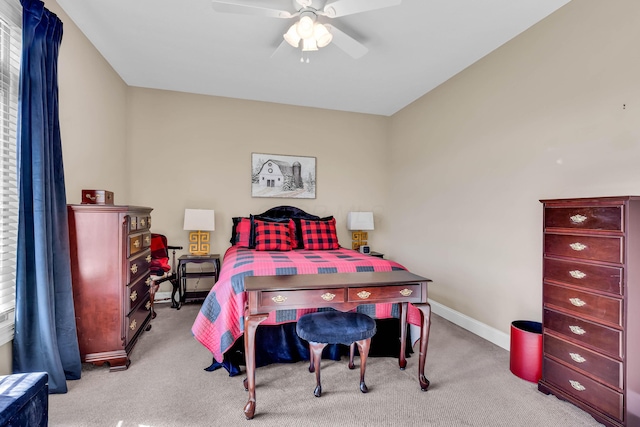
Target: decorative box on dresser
(591, 306)
(110, 259)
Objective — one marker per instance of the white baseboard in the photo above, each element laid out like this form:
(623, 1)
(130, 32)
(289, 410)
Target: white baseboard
(163, 297)
(490, 334)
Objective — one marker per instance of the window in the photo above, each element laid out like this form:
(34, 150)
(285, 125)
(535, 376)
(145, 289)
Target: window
(10, 48)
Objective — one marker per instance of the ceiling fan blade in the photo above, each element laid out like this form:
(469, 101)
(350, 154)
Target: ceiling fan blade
(351, 46)
(349, 7)
(248, 7)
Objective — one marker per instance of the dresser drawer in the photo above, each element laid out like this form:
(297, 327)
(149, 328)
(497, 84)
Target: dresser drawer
(137, 318)
(607, 370)
(137, 292)
(585, 218)
(302, 299)
(135, 244)
(588, 276)
(592, 392)
(596, 248)
(146, 240)
(602, 338)
(411, 293)
(144, 222)
(603, 308)
(138, 266)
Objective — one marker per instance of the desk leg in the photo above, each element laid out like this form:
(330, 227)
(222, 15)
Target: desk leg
(425, 310)
(251, 323)
(402, 360)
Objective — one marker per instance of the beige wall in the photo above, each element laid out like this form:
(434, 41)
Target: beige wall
(197, 152)
(541, 117)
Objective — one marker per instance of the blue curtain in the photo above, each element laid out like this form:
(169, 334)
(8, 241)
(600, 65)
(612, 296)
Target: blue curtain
(45, 329)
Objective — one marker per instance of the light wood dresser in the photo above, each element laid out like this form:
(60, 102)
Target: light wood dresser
(110, 259)
(591, 306)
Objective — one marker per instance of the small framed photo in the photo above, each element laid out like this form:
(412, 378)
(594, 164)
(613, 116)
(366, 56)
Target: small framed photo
(275, 175)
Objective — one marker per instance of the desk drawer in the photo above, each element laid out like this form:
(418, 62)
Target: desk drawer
(602, 338)
(273, 300)
(604, 368)
(408, 293)
(603, 308)
(586, 218)
(588, 276)
(608, 249)
(584, 388)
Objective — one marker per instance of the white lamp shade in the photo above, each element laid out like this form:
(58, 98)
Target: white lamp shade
(292, 36)
(322, 35)
(305, 27)
(199, 219)
(360, 221)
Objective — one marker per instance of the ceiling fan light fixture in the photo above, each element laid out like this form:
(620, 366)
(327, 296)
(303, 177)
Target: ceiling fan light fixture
(322, 35)
(305, 27)
(309, 45)
(292, 36)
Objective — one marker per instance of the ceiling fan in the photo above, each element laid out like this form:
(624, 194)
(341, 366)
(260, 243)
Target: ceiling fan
(308, 32)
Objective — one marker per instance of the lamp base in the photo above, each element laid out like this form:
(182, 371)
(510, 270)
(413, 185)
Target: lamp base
(199, 243)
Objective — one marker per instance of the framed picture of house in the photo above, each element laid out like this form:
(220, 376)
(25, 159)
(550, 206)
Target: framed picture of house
(274, 175)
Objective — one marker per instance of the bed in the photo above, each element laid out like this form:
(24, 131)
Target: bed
(286, 241)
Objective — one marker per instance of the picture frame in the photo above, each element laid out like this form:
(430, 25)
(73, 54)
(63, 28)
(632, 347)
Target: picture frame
(284, 176)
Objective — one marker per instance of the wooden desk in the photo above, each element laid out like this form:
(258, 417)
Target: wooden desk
(342, 291)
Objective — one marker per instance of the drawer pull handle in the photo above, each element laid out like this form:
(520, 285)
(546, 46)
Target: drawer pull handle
(148, 281)
(133, 325)
(577, 330)
(134, 268)
(90, 197)
(136, 243)
(279, 299)
(406, 292)
(363, 294)
(578, 246)
(148, 258)
(577, 302)
(577, 358)
(133, 296)
(577, 274)
(577, 385)
(328, 296)
(147, 239)
(133, 223)
(142, 221)
(578, 219)
(147, 305)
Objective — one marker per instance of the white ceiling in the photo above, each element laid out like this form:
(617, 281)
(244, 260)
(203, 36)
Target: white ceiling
(186, 46)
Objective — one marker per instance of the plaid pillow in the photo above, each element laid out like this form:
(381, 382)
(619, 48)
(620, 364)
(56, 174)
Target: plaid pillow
(319, 235)
(292, 234)
(271, 236)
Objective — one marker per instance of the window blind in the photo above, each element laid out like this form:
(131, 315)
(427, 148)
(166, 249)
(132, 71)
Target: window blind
(10, 50)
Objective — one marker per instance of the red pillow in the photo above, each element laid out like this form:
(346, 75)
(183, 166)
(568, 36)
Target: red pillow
(319, 235)
(271, 236)
(243, 232)
(292, 234)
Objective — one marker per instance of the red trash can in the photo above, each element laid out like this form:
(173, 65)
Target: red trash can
(526, 350)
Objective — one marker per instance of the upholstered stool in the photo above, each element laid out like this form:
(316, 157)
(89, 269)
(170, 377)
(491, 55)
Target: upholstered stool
(335, 327)
(24, 400)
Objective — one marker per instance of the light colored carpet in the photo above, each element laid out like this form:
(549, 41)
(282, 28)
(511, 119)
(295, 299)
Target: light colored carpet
(471, 385)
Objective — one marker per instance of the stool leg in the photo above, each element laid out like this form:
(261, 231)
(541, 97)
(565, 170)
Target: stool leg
(363, 347)
(352, 352)
(316, 354)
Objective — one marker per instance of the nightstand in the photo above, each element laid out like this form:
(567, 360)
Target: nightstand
(183, 275)
(378, 254)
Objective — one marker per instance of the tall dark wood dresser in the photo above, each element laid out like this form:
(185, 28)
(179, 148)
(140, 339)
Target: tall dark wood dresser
(591, 306)
(110, 259)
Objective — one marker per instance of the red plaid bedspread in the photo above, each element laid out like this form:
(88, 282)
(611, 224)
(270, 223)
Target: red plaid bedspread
(220, 320)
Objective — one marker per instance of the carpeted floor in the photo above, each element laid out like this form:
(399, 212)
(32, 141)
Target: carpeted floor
(471, 385)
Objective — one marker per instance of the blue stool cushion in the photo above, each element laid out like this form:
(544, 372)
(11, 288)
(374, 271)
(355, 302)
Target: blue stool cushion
(24, 399)
(335, 327)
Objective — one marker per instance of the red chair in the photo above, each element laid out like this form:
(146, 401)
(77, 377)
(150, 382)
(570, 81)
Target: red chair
(161, 271)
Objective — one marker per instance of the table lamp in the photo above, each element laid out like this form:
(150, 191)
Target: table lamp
(203, 221)
(356, 223)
